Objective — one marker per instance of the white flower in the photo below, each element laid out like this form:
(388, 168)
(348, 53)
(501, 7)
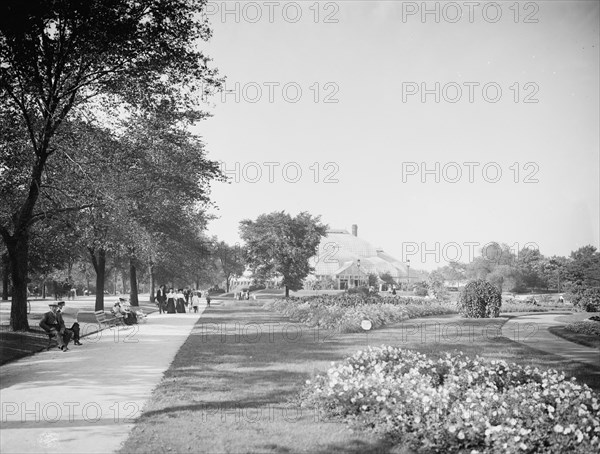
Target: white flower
(558, 428)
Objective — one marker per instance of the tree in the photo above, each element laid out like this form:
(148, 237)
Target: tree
(553, 269)
(530, 268)
(387, 278)
(231, 261)
(435, 283)
(66, 54)
(279, 245)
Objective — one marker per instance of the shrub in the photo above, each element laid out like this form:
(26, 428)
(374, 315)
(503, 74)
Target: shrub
(255, 287)
(358, 291)
(587, 300)
(421, 289)
(589, 327)
(480, 299)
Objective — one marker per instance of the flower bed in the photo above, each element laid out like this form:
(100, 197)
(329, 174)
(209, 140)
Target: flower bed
(589, 327)
(346, 312)
(458, 404)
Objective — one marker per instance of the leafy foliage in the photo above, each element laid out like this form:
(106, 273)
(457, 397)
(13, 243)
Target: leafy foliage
(279, 244)
(480, 299)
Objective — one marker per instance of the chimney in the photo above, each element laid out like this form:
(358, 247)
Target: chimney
(354, 230)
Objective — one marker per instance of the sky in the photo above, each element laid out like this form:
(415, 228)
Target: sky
(435, 127)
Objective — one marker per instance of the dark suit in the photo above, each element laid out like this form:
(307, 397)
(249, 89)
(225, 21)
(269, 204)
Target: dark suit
(159, 301)
(67, 333)
(51, 323)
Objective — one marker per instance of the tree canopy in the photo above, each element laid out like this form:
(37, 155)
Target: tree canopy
(278, 244)
(70, 69)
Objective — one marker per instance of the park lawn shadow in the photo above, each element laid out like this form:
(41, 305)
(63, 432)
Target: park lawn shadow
(233, 385)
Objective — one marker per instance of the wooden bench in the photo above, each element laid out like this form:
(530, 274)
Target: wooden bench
(107, 319)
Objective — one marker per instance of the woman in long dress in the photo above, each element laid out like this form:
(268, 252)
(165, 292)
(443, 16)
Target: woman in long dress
(170, 302)
(180, 301)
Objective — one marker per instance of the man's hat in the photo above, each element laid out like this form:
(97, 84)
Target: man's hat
(53, 304)
(61, 303)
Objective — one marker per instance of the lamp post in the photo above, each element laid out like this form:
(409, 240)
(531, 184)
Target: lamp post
(358, 265)
(407, 273)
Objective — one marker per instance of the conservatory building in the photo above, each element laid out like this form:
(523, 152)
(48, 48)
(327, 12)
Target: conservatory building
(348, 260)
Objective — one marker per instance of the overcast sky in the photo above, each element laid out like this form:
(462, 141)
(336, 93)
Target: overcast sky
(512, 137)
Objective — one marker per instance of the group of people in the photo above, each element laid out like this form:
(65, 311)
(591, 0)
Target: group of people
(54, 324)
(180, 301)
(122, 310)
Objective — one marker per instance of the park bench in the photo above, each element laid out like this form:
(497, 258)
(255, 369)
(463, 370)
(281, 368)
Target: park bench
(107, 319)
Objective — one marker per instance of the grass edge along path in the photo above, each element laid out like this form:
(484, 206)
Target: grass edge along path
(234, 383)
(579, 338)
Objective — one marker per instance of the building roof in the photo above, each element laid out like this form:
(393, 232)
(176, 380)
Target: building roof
(340, 247)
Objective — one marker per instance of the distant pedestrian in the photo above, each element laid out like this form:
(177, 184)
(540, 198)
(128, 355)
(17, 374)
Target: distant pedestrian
(180, 302)
(159, 299)
(170, 302)
(196, 301)
(207, 299)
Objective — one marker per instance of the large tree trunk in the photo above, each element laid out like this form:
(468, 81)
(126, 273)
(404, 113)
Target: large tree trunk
(5, 276)
(287, 291)
(18, 250)
(152, 283)
(227, 279)
(133, 295)
(100, 268)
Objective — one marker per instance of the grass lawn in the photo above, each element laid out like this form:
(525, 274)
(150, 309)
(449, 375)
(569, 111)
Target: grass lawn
(232, 385)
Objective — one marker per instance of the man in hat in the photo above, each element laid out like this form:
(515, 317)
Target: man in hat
(74, 330)
(50, 324)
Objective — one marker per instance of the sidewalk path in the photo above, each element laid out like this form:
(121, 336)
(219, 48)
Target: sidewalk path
(532, 330)
(86, 400)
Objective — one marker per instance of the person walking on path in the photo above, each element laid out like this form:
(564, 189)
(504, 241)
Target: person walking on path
(51, 325)
(196, 301)
(180, 302)
(159, 299)
(170, 302)
(207, 299)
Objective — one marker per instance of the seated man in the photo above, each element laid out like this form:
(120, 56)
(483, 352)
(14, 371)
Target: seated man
(51, 325)
(63, 313)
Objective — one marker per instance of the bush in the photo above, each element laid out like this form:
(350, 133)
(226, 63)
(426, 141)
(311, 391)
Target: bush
(480, 299)
(587, 300)
(589, 327)
(255, 287)
(458, 404)
(421, 289)
(358, 291)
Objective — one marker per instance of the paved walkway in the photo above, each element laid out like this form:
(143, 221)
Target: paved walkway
(86, 400)
(533, 331)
